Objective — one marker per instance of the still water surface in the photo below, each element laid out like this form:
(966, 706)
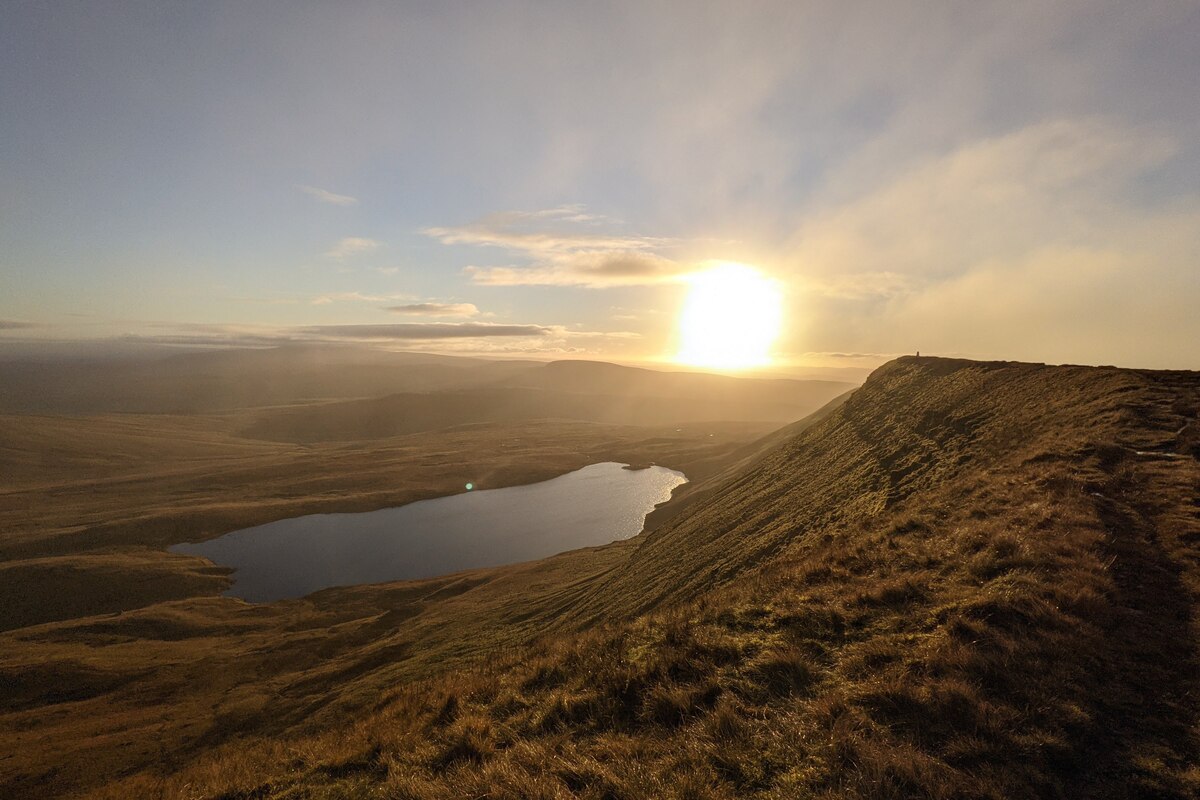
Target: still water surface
(293, 557)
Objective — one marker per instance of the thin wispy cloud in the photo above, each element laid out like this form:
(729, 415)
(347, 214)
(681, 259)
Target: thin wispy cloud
(426, 330)
(15, 325)
(1022, 245)
(201, 334)
(449, 337)
(326, 196)
(216, 340)
(564, 247)
(354, 297)
(352, 246)
(575, 212)
(860, 286)
(557, 230)
(541, 242)
(594, 270)
(436, 309)
(854, 356)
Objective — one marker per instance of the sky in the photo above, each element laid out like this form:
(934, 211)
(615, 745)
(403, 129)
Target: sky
(1013, 180)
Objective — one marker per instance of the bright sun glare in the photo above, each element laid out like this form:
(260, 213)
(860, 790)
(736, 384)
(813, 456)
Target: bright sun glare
(730, 318)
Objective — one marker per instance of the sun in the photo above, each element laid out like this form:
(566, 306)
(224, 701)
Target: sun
(730, 318)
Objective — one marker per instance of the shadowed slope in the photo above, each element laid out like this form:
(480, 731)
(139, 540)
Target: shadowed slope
(599, 377)
(583, 390)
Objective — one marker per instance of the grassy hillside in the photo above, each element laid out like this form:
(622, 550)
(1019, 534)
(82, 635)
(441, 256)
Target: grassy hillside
(966, 580)
(728, 466)
(971, 580)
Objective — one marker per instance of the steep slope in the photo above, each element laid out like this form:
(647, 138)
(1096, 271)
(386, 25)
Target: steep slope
(971, 580)
(916, 424)
(707, 478)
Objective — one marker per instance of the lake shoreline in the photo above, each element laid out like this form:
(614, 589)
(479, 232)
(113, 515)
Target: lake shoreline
(472, 529)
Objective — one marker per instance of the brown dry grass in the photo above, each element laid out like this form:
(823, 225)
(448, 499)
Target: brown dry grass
(119, 656)
(973, 580)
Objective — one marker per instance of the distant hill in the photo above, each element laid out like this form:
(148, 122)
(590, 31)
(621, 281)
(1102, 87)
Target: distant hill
(601, 378)
(219, 380)
(147, 380)
(576, 390)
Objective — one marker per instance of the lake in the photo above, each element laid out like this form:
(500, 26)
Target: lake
(289, 558)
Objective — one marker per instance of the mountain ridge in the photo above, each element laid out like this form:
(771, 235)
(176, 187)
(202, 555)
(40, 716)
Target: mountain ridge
(967, 579)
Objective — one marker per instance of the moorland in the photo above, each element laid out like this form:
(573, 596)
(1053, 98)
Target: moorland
(963, 579)
(106, 464)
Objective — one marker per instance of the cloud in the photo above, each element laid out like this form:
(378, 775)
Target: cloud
(854, 356)
(555, 230)
(336, 297)
(461, 338)
(352, 246)
(429, 333)
(564, 247)
(367, 333)
(992, 198)
(14, 325)
(860, 285)
(203, 334)
(225, 340)
(426, 330)
(1033, 245)
(329, 197)
(436, 309)
(574, 212)
(598, 334)
(594, 270)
